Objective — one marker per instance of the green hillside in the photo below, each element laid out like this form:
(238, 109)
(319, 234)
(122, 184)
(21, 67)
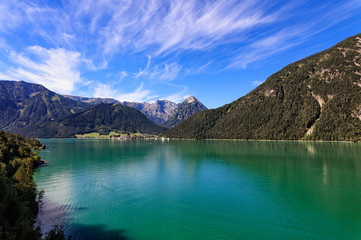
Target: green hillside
(316, 98)
(25, 105)
(102, 118)
(34, 111)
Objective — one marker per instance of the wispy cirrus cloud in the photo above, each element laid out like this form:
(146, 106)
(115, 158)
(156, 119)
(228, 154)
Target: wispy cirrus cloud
(51, 23)
(101, 30)
(107, 40)
(160, 26)
(169, 26)
(138, 95)
(173, 25)
(294, 34)
(265, 47)
(178, 96)
(160, 72)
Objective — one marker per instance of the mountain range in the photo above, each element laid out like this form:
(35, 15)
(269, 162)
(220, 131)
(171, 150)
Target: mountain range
(163, 112)
(316, 98)
(167, 113)
(34, 111)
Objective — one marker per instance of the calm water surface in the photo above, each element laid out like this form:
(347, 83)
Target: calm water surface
(153, 190)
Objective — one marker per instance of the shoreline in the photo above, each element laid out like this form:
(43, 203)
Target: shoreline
(211, 139)
(262, 140)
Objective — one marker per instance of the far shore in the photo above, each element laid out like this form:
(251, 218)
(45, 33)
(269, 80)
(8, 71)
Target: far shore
(220, 139)
(261, 140)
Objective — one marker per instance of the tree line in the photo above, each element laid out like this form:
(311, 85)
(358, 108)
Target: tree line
(18, 193)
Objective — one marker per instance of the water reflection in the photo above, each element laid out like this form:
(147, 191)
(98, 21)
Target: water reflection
(193, 189)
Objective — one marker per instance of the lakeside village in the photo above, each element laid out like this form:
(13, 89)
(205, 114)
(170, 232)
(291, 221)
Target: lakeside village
(120, 136)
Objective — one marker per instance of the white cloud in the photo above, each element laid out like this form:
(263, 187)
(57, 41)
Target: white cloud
(293, 35)
(10, 17)
(108, 27)
(265, 47)
(178, 96)
(103, 28)
(173, 31)
(138, 95)
(144, 72)
(183, 24)
(160, 72)
(104, 91)
(56, 69)
(122, 75)
(53, 24)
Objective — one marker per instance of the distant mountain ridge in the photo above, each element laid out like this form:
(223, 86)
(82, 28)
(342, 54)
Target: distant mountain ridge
(316, 98)
(167, 113)
(34, 111)
(159, 111)
(91, 100)
(162, 112)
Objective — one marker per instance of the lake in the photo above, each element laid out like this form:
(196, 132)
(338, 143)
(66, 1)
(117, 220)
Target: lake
(154, 190)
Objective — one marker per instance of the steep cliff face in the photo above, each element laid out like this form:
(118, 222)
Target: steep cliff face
(159, 112)
(167, 113)
(316, 98)
(190, 106)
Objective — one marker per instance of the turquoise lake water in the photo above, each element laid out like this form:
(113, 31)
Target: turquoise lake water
(154, 190)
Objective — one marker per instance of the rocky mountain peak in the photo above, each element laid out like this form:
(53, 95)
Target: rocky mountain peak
(167, 113)
(189, 107)
(191, 99)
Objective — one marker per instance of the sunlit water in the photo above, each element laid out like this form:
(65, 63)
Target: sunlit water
(153, 190)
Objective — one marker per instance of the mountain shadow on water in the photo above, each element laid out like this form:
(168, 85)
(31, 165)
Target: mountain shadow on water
(96, 232)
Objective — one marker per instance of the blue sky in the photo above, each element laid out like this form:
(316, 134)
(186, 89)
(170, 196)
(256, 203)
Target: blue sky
(145, 50)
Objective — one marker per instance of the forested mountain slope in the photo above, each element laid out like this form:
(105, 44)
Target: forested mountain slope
(316, 98)
(25, 105)
(34, 111)
(102, 118)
